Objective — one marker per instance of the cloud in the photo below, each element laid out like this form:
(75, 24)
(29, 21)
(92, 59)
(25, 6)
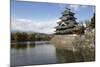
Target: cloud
(35, 26)
(76, 7)
(83, 6)
(24, 20)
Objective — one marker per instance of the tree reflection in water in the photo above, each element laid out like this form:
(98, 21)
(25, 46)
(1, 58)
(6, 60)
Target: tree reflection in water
(22, 45)
(66, 56)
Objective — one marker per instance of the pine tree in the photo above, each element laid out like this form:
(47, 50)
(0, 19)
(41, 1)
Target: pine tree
(92, 24)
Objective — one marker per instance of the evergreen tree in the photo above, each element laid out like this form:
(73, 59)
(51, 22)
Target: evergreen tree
(92, 24)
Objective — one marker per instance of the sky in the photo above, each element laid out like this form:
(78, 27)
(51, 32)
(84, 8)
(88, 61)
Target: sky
(42, 17)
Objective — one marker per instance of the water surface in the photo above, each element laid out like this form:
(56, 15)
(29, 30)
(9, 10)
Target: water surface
(42, 52)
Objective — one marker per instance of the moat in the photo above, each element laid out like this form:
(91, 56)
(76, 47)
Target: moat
(43, 52)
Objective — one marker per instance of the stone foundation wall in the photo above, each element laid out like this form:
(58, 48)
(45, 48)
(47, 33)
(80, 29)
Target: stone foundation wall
(75, 42)
(64, 41)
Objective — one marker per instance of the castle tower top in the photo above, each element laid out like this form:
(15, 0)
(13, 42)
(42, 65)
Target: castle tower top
(67, 23)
